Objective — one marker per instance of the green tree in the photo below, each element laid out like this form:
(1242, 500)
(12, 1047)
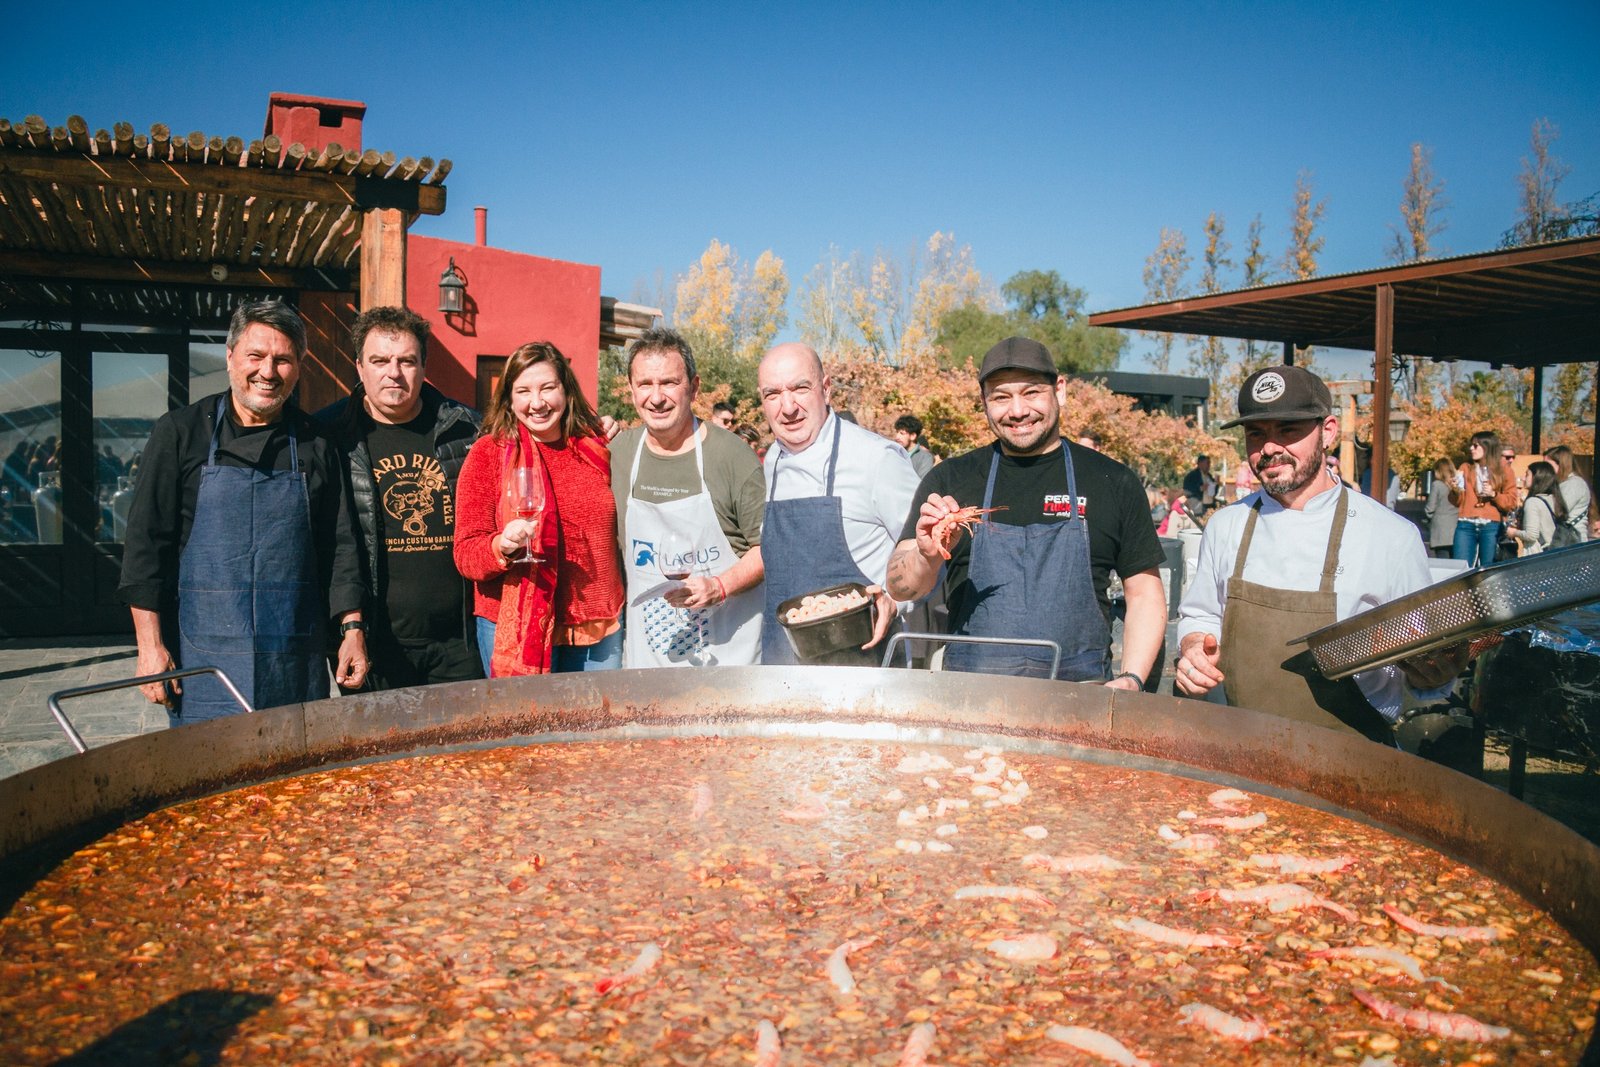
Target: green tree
(1572, 395)
(1043, 306)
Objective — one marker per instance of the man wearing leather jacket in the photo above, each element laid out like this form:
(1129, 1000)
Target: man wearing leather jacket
(405, 442)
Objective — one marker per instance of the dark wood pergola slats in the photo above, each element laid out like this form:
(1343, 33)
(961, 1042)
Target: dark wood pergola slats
(158, 208)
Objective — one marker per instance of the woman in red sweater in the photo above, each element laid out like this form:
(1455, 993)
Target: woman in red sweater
(1484, 493)
(559, 613)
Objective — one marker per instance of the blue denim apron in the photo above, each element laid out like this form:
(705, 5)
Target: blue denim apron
(248, 600)
(803, 549)
(1036, 582)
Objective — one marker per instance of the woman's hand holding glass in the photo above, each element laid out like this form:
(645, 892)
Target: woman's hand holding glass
(527, 497)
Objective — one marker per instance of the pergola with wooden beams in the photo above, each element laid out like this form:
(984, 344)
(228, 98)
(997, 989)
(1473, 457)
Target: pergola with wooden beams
(1532, 306)
(158, 209)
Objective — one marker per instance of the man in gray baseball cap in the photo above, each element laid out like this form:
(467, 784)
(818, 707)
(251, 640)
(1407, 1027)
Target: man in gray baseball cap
(1037, 565)
(1302, 552)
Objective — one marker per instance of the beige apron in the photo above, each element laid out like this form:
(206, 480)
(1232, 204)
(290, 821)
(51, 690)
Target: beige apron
(1263, 671)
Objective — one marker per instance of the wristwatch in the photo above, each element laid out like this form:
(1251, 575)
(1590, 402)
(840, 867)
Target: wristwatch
(353, 624)
(1138, 681)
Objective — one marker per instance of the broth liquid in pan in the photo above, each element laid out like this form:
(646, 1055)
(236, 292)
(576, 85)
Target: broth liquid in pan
(658, 901)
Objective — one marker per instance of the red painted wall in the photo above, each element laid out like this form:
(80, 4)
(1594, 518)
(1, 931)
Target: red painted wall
(512, 298)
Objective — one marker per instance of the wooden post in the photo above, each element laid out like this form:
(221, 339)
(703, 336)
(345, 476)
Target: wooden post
(383, 258)
(1538, 409)
(1382, 378)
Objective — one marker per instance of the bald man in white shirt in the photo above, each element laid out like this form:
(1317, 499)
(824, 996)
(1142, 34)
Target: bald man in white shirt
(837, 495)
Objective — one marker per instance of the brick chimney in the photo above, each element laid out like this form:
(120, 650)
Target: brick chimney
(315, 121)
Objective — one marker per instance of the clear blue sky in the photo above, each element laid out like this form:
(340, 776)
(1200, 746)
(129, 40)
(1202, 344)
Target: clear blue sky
(1051, 136)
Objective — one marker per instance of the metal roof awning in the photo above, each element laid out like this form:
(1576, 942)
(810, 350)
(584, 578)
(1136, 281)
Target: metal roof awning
(1528, 306)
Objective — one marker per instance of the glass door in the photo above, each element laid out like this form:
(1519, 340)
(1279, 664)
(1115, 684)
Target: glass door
(31, 365)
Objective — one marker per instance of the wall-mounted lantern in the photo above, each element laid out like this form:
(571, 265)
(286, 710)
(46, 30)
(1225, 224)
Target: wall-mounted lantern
(452, 290)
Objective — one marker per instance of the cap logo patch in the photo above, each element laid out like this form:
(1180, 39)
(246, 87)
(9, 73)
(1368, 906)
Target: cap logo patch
(1268, 387)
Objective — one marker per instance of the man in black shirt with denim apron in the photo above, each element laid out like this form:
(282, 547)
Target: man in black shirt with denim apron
(1038, 567)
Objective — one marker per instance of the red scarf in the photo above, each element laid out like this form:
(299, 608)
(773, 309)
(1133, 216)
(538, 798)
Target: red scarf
(524, 635)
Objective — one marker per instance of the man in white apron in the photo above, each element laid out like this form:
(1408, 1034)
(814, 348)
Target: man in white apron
(690, 501)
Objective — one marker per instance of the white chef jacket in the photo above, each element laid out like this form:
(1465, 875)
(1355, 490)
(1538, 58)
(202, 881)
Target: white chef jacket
(874, 481)
(1381, 559)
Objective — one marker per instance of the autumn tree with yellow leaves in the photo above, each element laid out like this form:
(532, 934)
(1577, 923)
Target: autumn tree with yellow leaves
(730, 311)
(1305, 244)
(1159, 447)
(1421, 202)
(1163, 281)
(1208, 356)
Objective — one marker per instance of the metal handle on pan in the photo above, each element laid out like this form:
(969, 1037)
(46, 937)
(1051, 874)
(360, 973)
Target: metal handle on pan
(1035, 642)
(127, 683)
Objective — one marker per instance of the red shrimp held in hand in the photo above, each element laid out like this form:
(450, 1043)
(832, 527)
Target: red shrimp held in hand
(947, 529)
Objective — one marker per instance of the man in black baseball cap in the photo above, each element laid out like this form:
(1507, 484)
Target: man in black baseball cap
(1303, 552)
(1284, 393)
(1037, 565)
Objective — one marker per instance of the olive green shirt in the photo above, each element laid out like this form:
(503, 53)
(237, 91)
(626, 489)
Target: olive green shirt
(733, 476)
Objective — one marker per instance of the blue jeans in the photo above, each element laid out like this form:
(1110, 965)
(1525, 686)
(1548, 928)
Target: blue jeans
(1476, 542)
(568, 659)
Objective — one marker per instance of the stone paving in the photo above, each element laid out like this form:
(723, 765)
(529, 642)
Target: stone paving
(32, 669)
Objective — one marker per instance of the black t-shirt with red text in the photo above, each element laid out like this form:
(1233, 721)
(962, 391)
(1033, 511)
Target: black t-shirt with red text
(1033, 489)
(417, 578)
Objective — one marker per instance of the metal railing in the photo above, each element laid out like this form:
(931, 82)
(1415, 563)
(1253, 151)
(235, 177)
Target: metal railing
(127, 683)
(949, 639)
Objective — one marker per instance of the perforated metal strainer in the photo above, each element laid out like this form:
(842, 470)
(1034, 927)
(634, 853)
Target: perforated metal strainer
(1495, 598)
